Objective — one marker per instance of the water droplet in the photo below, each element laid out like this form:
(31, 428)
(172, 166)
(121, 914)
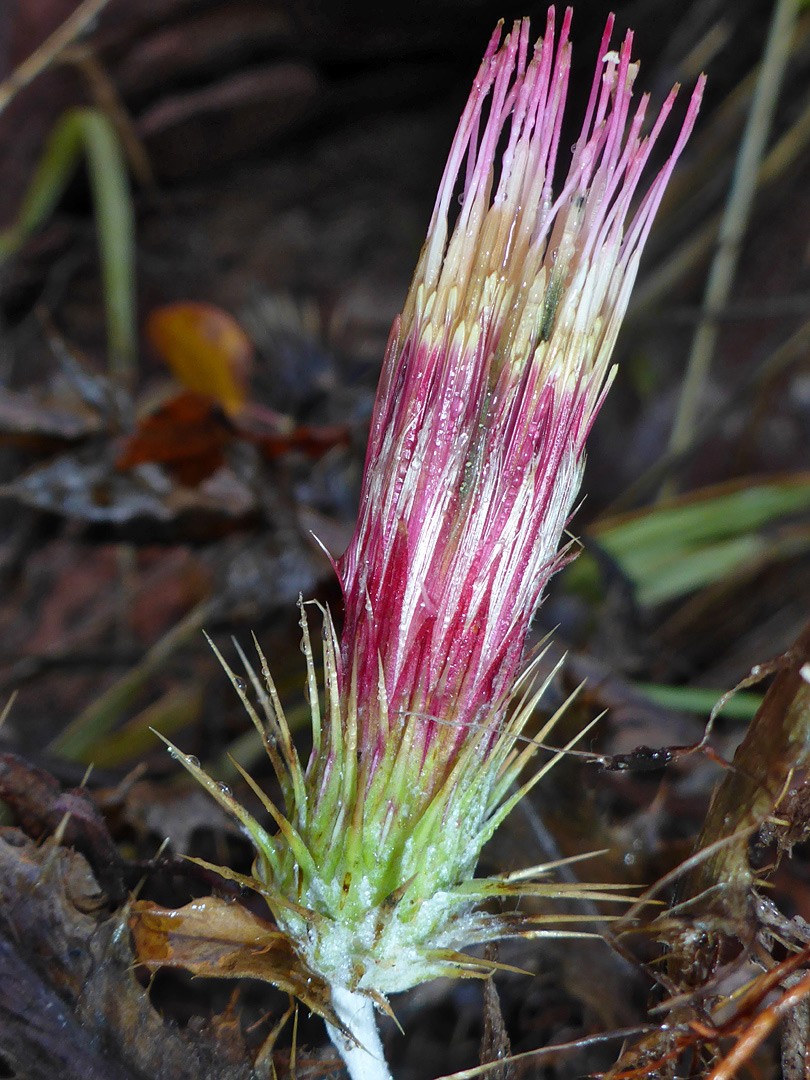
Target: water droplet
(191, 760)
(240, 683)
(224, 789)
(175, 754)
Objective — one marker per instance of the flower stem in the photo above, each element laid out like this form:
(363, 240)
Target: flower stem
(363, 1054)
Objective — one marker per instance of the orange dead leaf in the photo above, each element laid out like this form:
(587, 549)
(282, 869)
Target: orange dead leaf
(311, 441)
(221, 939)
(206, 349)
(188, 434)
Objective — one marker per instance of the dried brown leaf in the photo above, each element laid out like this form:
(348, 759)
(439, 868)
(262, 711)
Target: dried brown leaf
(222, 939)
(777, 742)
(70, 1005)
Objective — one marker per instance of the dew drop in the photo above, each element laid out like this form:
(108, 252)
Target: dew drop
(240, 683)
(191, 760)
(224, 789)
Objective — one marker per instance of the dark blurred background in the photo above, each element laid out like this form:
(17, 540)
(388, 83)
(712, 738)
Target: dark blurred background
(282, 160)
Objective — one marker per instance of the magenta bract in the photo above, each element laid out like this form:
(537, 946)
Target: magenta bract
(493, 375)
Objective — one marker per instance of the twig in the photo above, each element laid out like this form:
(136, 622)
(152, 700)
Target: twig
(105, 95)
(788, 353)
(552, 1051)
(735, 217)
(759, 1029)
(79, 737)
(50, 49)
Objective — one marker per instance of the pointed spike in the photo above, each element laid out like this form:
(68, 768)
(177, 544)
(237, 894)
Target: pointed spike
(509, 803)
(465, 966)
(273, 897)
(546, 868)
(259, 836)
(288, 750)
(312, 679)
(384, 1007)
(238, 684)
(515, 767)
(299, 849)
(263, 798)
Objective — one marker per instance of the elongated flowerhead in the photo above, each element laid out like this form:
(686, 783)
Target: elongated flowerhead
(493, 375)
(492, 378)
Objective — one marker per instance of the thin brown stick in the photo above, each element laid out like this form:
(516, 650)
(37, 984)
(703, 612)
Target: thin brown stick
(759, 1029)
(104, 93)
(735, 220)
(50, 49)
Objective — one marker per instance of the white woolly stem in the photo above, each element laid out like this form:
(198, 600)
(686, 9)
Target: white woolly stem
(363, 1055)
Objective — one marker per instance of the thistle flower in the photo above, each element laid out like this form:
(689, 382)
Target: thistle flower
(493, 375)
